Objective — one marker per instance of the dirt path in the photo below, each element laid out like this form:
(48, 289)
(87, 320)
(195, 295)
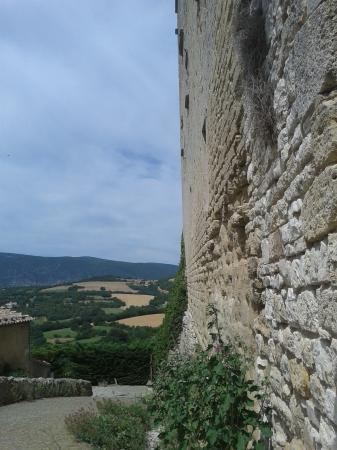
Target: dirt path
(39, 425)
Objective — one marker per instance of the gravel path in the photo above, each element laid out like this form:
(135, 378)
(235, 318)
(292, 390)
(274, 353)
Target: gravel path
(39, 425)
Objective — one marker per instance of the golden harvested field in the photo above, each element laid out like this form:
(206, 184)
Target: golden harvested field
(150, 320)
(134, 299)
(113, 286)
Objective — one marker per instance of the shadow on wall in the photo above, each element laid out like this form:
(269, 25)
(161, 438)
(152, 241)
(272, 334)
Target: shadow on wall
(250, 42)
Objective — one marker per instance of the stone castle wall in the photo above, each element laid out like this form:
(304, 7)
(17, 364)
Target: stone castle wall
(258, 102)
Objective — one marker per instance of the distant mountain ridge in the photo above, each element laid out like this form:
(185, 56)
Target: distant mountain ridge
(26, 270)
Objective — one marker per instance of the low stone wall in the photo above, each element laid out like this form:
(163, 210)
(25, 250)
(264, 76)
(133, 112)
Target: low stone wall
(14, 390)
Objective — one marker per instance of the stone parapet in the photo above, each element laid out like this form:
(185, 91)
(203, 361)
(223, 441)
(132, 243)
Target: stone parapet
(14, 390)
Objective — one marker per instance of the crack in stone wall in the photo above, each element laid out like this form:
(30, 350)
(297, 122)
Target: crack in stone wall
(260, 217)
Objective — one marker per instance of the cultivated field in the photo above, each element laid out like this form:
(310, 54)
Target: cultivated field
(59, 340)
(150, 320)
(56, 289)
(62, 335)
(134, 299)
(112, 286)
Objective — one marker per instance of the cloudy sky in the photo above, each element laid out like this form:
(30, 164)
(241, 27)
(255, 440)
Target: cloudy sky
(89, 146)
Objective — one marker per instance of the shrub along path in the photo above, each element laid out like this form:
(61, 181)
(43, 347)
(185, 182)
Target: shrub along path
(39, 425)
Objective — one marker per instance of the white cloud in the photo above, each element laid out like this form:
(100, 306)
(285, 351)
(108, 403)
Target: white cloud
(89, 117)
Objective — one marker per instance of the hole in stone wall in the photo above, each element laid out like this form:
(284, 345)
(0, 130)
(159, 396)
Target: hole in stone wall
(176, 7)
(204, 130)
(198, 6)
(187, 101)
(182, 152)
(251, 39)
(238, 223)
(186, 59)
(181, 42)
(181, 122)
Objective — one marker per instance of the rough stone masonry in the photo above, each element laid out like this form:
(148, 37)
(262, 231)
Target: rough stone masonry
(258, 105)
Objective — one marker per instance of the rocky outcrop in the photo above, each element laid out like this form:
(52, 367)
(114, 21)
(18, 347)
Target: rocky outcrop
(258, 102)
(14, 390)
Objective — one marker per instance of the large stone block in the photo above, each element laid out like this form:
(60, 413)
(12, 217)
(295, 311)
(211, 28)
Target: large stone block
(312, 413)
(282, 410)
(292, 341)
(311, 66)
(310, 436)
(327, 435)
(274, 307)
(272, 247)
(325, 132)
(317, 392)
(303, 311)
(330, 405)
(323, 361)
(291, 231)
(319, 212)
(327, 305)
(299, 378)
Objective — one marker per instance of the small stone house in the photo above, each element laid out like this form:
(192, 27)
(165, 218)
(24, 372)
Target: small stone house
(14, 340)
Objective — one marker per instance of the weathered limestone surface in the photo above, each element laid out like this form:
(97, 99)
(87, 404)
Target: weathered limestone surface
(14, 390)
(260, 214)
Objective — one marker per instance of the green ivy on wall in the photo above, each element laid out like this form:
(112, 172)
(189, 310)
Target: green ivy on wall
(177, 303)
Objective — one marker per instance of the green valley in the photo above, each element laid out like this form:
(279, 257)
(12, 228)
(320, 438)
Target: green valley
(76, 326)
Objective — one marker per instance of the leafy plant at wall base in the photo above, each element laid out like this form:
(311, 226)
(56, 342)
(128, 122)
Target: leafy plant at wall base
(176, 306)
(206, 401)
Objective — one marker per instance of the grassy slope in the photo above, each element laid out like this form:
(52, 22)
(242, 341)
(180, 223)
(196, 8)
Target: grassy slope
(61, 333)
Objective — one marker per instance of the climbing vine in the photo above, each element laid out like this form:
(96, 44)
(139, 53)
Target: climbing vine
(176, 306)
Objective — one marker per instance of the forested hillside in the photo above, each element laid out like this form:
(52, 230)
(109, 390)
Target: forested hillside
(26, 270)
